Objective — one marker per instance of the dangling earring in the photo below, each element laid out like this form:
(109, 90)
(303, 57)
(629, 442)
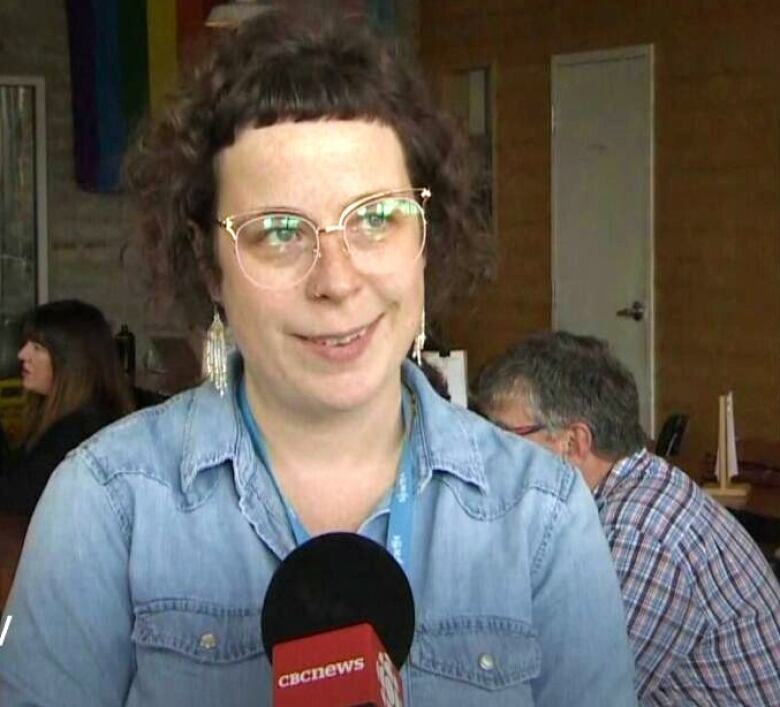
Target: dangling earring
(215, 354)
(419, 340)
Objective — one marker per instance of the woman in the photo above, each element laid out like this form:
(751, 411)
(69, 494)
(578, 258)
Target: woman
(303, 182)
(73, 384)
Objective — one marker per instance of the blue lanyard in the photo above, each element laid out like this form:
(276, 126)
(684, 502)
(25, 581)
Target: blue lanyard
(399, 524)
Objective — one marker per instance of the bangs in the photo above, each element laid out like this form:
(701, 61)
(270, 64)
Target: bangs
(31, 331)
(340, 81)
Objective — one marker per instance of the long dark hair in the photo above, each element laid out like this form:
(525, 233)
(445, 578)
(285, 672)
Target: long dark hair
(85, 364)
(280, 67)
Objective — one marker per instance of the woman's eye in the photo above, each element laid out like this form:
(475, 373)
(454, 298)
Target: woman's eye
(375, 220)
(280, 230)
(376, 217)
(280, 236)
(274, 232)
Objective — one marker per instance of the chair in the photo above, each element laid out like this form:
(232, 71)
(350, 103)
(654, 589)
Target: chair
(671, 435)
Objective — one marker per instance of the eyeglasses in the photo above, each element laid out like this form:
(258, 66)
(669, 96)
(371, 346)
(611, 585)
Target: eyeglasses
(525, 430)
(382, 233)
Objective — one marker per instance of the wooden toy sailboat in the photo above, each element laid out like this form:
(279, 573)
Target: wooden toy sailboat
(726, 465)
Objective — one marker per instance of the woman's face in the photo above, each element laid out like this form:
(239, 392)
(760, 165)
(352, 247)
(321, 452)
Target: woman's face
(334, 341)
(37, 369)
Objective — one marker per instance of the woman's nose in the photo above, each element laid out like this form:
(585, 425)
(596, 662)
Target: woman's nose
(334, 275)
(24, 352)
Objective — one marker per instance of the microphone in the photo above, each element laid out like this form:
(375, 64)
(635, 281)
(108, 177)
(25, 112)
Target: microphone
(337, 624)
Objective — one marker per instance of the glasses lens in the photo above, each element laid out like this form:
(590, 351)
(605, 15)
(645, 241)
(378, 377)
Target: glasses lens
(276, 250)
(385, 234)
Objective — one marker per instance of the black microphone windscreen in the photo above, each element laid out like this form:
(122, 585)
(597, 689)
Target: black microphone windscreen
(338, 580)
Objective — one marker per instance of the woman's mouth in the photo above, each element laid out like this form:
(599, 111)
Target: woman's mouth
(342, 340)
(342, 347)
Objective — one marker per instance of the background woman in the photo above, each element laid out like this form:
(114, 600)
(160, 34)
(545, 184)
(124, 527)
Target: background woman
(303, 182)
(73, 384)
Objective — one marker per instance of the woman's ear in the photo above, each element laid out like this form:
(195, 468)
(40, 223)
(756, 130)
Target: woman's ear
(198, 240)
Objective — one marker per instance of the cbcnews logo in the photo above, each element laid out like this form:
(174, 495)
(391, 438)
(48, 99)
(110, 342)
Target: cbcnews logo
(4, 629)
(389, 688)
(322, 672)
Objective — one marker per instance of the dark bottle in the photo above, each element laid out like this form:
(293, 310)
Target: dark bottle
(125, 345)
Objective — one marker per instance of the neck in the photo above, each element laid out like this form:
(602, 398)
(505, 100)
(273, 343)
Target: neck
(356, 451)
(595, 468)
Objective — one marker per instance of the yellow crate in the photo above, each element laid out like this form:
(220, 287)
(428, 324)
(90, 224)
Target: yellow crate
(11, 404)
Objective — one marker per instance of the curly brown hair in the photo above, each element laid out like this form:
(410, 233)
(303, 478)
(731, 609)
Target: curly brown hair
(285, 67)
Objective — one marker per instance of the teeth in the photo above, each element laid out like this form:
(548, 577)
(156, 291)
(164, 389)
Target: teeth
(342, 340)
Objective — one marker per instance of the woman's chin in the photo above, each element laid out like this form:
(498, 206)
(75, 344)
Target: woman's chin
(347, 393)
(346, 399)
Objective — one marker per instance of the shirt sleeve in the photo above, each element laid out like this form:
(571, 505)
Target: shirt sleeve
(69, 639)
(578, 610)
(726, 648)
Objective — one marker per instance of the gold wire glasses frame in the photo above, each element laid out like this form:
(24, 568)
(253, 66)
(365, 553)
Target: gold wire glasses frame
(278, 247)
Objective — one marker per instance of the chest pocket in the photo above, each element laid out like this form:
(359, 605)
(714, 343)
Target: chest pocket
(200, 631)
(488, 652)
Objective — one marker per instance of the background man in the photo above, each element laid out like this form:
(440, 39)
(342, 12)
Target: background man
(702, 605)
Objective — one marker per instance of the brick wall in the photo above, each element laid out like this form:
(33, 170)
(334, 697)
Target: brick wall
(717, 185)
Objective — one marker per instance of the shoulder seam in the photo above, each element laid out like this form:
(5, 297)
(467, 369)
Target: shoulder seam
(96, 471)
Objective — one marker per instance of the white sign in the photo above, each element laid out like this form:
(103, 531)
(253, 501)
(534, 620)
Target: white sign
(453, 366)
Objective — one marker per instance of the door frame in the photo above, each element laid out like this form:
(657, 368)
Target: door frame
(38, 86)
(559, 61)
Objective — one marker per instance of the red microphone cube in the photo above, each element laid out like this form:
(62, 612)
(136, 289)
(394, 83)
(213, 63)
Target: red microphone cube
(341, 668)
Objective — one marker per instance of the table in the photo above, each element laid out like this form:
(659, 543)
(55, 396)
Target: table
(761, 501)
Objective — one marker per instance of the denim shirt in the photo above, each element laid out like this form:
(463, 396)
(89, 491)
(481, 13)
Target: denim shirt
(148, 557)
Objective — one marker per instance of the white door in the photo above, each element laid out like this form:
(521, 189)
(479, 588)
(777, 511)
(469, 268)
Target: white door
(602, 205)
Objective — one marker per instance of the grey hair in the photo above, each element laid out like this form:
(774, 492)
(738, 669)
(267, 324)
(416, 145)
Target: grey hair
(564, 378)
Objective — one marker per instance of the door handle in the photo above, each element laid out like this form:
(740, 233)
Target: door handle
(636, 311)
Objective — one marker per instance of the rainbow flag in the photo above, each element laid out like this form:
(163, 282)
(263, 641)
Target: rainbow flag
(124, 59)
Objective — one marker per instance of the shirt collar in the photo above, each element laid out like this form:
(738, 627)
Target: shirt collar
(442, 441)
(620, 470)
(214, 432)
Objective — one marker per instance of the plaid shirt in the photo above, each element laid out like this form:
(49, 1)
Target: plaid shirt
(702, 605)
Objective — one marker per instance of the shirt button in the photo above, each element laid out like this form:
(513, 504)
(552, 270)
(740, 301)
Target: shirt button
(208, 641)
(486, 662)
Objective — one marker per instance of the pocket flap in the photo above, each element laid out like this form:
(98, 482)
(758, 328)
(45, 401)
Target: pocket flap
(206, 632)
(489, 651)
